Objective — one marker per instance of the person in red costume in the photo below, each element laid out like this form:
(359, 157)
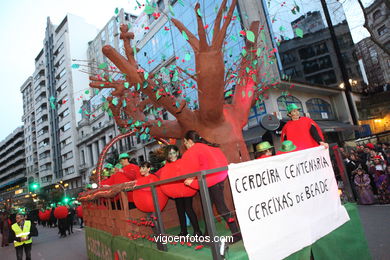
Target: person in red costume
(204, 156)
(120, 177)
(263, 150)
(181, 193)
(143, 198)
(130, 170)
(302, 131)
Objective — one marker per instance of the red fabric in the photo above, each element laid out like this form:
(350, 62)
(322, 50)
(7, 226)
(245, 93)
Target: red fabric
(61, 212)
(298, 131)
(204, 157)
(175, 189)
(143, 198)
(370, 145)
(117, 178)
(79, 211)
(263, 156)
(132, 171)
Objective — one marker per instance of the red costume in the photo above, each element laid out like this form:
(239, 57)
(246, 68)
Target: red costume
(175, 189)
(143, 198)
(117, 178)
(298, 131)
(131, 171)
(204, 157)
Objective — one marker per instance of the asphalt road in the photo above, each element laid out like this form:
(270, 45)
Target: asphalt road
(49, 246)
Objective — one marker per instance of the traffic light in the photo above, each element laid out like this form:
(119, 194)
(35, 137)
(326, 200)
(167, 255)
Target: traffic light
(34, 186)
(65, 200)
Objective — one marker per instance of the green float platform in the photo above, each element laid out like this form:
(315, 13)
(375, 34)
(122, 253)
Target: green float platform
(346, 242)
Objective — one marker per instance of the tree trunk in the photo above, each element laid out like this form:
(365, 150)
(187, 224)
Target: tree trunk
(229, 136)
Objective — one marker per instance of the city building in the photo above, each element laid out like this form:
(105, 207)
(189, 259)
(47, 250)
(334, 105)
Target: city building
(58, 94)
(28, 119)
(13, 166)
(376, 61)
(374, 105)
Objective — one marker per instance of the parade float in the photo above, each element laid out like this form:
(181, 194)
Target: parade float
(263, 195)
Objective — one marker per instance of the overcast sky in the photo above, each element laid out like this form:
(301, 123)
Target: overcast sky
(23, 24)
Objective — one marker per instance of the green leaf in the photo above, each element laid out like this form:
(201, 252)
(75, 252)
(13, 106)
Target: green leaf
(147, 130)
(250, 36)
(114, 101)
(124, 103)
(184, 35)
(159, 123)
(103, 65)
(75, 66)
(87, 91)
(171, 10)
(187, 56)
(138, 86)
(228, 93)
(250, 93)
(146, 75)
(117, 10)
(299, 32)
(243, 52)
(181, 2)
(149, 9)
(199, 13)
(126, 84)
(158, 96)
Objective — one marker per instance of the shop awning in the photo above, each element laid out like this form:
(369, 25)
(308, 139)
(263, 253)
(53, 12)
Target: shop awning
(336, 126)
(15, 181)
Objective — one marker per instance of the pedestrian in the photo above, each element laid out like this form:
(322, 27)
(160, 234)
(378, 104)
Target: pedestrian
(364, 191)
(70, 219)
(21, 233)
(204, 156)
(382, 180)
(5, 226)
(183, 195)
(302, 131)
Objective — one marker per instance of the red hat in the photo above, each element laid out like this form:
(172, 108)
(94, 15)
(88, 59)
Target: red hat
(377, 157)
(370, 145)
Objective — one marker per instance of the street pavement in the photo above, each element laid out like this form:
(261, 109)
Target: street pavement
(376, 223)
(48, 245)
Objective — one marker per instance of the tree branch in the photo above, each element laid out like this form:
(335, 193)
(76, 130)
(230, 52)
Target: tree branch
(221, 35)
(217, 22)
(201, 31)
(194, 42)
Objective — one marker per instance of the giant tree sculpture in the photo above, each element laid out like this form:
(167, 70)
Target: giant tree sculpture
(215, 119)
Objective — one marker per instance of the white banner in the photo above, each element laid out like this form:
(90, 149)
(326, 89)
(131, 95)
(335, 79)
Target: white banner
(286, 202)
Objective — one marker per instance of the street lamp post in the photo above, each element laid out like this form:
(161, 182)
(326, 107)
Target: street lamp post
(62, 185)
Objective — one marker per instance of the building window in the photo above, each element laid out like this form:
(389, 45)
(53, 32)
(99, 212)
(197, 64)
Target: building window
(382, 30)
(376, 14)
(283, 101)
(255, 114)
(319, 109)
(373, 55)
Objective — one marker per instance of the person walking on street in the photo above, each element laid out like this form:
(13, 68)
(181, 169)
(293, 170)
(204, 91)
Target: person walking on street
(21, 233)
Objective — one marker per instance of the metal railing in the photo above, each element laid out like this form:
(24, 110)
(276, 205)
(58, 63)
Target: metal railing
(205, 203)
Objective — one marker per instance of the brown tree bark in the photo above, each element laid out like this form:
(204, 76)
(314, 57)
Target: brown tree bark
(215, 120)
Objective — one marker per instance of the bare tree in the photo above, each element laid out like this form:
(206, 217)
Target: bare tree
(214, 119)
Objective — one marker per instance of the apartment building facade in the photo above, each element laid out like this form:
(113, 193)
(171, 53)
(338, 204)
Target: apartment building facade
(58, 93)
(13, 166)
